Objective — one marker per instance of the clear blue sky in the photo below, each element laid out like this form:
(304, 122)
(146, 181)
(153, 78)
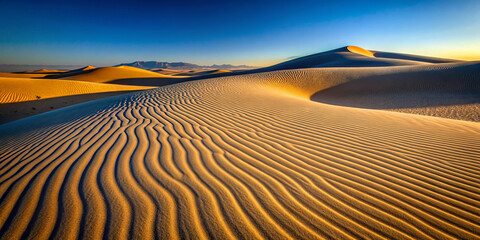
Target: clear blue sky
(237, 32)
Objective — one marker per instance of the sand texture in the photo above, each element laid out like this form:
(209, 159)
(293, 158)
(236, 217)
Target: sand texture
(245, 157)
(24, 97)
(21, 89)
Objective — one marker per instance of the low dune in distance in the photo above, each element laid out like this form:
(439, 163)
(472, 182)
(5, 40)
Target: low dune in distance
(23, 75)
(300, 150)
(109, 74)
(46, 71)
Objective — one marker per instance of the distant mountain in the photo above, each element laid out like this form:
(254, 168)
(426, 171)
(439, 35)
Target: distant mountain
(179, 65)
(229, 66)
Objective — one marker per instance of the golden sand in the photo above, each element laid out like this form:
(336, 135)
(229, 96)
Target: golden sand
(360, 50)
(22, 89)
(244, 157)
(109, 74)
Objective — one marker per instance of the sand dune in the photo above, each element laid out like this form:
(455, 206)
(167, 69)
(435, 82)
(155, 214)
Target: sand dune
(23, 75)
(20, 89)
(20, 97)
(203, 72)
(361, 51)
(413, 57)
(88, 68)
(18, 110)
(244, 157)
(347, 57)
(46, 71)
(108, 74)
(350, 56)
(190, 73)
(444, 90)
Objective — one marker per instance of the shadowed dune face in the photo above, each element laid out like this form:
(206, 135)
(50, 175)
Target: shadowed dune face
(413, 57)
(46, 71)
(451, 91)
(202, 72)
(24, 75)
(154, 82)
(246, 157)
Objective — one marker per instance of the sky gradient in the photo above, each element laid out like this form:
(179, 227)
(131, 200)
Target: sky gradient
(256, 33)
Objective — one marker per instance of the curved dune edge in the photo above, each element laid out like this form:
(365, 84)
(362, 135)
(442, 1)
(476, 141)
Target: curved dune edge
(20, 89)
(239, 157)
(109, 74)
(88, 68)
(361, 51)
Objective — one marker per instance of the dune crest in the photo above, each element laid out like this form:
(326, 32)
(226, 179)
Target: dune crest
(108, 74)
(361, 51)
(88, 68)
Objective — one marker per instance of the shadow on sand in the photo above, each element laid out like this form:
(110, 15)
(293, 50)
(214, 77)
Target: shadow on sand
(413, 89)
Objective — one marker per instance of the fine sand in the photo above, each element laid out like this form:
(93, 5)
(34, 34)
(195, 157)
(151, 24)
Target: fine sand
(109, 74)
(270, 155)
(22, 97)
(21, 89)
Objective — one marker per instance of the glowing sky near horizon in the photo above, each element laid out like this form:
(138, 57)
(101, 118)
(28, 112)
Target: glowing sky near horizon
(237, 32)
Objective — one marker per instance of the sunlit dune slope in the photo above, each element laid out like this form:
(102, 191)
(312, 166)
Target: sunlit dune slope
(21, 89)
(88, 68)
(108, 74)
(359, 50)
(245, 157)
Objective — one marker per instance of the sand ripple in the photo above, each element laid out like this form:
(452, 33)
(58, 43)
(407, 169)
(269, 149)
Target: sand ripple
(245, 157)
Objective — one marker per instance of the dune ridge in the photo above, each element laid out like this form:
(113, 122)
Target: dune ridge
(107, 74)
(22, 89)
(243, 157)
(360, 50)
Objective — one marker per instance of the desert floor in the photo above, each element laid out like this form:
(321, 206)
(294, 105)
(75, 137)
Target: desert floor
(346, 144)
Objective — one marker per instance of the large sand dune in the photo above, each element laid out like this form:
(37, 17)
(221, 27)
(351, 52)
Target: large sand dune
(243, 157)
(350, 56)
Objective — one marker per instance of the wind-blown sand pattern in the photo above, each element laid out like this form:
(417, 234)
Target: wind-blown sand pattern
(243, 157)
(23, 89)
